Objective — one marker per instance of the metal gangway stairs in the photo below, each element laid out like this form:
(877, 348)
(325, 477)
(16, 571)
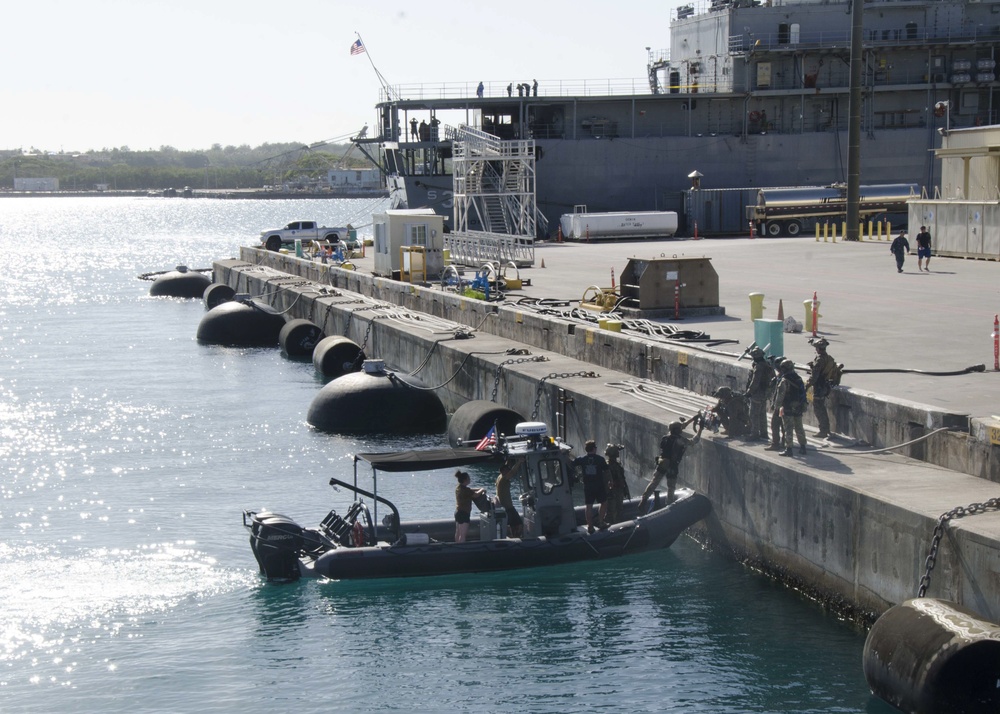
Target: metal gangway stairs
(494, 189)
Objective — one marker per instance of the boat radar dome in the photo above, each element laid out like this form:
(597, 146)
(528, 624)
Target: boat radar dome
(536, 429)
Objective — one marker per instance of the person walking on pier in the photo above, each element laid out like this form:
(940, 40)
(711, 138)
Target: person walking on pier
(758, 387)
(792, 400)
(924, 249)
(899, 248)
(672, 448)
(823, 375)
(595, 476)
(479, 90)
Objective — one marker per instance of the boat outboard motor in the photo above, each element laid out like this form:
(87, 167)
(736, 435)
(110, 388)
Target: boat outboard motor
(276, 541)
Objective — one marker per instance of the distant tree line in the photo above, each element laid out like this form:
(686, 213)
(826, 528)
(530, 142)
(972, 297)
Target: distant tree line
(219, 167)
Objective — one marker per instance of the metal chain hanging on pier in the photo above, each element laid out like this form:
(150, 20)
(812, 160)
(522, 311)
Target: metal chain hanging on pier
(496, 379)
(555, 375)
(972, 509)
(364, 342)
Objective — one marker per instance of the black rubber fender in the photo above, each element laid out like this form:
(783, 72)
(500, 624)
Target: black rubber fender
(382, 403)
(472, 420)
(216, 294)
(335, 356)
(182, 283)
(935, 657)
(241, 324)
(298, 338)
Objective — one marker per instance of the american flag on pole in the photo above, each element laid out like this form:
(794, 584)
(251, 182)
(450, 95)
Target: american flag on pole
(357, 48)
(489, 440)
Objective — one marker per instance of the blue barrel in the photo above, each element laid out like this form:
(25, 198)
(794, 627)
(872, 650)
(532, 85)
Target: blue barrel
(935, 657)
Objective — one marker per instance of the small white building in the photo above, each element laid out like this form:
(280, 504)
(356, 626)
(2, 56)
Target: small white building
(364, 179)
(963, 217)
(409, 244)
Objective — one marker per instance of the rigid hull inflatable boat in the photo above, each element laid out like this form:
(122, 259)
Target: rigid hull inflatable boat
(358, 545)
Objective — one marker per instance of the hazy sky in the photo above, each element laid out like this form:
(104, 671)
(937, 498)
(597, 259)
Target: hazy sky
(90, 74)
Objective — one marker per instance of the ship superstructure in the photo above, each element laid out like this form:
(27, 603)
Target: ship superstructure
(748, 95)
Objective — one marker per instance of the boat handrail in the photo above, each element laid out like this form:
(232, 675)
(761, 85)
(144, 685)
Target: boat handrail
(395, 525)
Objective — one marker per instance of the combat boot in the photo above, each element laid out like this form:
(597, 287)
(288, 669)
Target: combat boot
(802, 449)
(772, 447)
(786, 452)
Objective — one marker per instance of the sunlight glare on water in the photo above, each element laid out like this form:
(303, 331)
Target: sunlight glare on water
(130, 452)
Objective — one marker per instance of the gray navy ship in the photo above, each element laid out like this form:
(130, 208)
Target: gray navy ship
(749, 94)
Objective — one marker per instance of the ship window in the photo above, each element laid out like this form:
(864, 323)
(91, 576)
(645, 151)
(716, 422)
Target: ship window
(783, 32)
(911, 30)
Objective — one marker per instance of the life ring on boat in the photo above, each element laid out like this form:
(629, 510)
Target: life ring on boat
(358, 534)
(754, 116)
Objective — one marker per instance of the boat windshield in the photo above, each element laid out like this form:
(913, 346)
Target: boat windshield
(549, 475)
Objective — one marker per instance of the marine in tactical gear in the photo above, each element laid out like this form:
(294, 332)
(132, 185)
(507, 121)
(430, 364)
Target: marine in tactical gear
(824, 374)
(757, 390)
(672, 448)
(791, 398)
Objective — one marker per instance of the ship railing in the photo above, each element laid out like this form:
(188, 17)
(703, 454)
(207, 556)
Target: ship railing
(497, 89)
(474, 248)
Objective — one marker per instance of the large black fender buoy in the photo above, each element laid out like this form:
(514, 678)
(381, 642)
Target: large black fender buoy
(298, 338)
(336, 356)
(377, 401)
(241, 324)
(474, 419)
(935, 657)
(182, 283)
(216, 294)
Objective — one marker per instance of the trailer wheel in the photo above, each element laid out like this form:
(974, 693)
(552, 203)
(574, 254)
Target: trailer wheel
(774, 229)
(793, 228)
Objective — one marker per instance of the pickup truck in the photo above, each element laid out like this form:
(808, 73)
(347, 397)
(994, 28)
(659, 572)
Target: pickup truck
(306, 231)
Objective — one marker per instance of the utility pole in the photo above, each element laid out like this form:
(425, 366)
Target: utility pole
(854, 121)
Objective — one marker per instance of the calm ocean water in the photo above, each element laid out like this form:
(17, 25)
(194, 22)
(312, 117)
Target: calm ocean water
(129, 452)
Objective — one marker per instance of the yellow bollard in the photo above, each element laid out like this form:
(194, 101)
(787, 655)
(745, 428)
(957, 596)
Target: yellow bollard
(756, 306)
(843, 231)
(888, 230)
(808, 304)
(826, 230)
(870, 225)
(817, 232)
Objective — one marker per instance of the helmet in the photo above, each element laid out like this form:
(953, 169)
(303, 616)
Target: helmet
(723, 392)
(787, 366)
(821, 343)
(757, 354)
(612, 450)
(675, 427)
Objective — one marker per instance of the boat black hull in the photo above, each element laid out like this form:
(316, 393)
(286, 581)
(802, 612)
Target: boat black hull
(654, 531)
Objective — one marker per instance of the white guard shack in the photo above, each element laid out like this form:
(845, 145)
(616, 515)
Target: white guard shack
(409, 244)
(963, 217)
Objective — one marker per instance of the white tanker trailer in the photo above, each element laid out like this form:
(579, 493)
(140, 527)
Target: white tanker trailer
(581, 225)
(787, 211)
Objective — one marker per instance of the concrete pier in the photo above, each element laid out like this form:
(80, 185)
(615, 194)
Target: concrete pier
(850, 527)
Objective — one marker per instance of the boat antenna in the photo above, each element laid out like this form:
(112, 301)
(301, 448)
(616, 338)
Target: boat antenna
(358, 48)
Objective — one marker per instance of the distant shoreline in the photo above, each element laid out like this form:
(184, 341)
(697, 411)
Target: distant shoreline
(196, 193)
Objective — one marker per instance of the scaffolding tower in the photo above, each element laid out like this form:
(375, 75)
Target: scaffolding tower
(494, 183)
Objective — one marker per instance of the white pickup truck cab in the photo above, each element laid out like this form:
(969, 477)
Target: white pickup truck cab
(305, 231)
